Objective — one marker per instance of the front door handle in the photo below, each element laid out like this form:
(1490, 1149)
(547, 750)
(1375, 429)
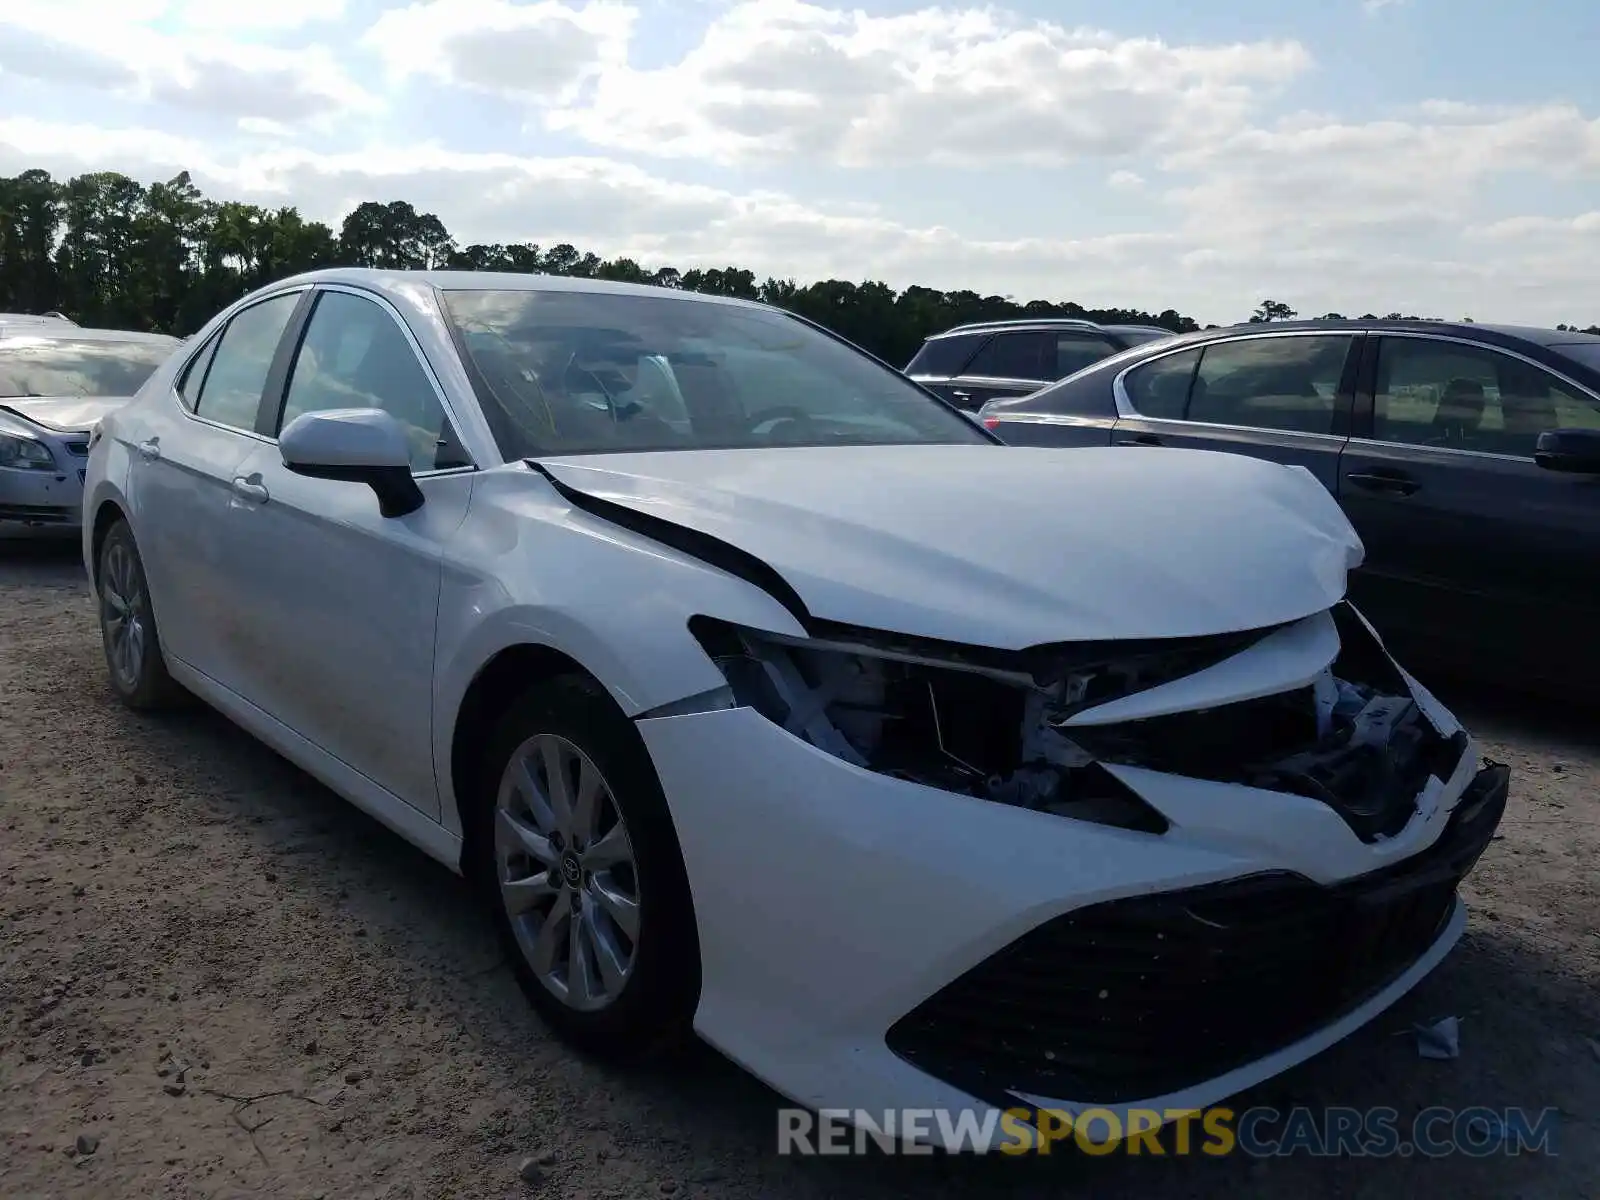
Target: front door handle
(151, 450)
(958, 394)
(1140, 439)
(1383, 481)
(248, 489)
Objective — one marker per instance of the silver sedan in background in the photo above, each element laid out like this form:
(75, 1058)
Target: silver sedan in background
(57, 379)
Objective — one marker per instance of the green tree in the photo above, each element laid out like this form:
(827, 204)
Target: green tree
(1272, 310)
(108, 250)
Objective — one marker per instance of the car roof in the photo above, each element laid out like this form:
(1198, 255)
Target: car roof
(1026, 324)
(399, 283)
(1497, 334)
(64, 331)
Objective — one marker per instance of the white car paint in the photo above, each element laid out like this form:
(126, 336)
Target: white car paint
(1106, 546)
(830, 898)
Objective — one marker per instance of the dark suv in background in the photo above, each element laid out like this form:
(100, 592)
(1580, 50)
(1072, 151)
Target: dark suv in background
(973, 364)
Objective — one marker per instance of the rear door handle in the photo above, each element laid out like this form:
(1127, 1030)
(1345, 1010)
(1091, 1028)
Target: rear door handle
(1382, 481)
(1140, 439)
(151, 450)
(245, 489)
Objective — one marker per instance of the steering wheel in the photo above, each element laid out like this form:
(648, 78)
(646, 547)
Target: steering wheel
(782, 412)
(611, 404)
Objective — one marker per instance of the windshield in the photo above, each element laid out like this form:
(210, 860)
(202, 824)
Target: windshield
(593, 372)
(53, 366)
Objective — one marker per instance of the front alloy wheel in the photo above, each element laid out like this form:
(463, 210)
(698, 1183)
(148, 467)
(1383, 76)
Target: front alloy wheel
(566, 872)
(574, 845)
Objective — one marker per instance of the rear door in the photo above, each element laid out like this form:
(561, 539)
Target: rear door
(1011, 363)
(1281, 396)
(1475, 554)
(941, 360)
(180, 479)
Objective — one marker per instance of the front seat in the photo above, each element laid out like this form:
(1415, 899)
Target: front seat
(1459, 416)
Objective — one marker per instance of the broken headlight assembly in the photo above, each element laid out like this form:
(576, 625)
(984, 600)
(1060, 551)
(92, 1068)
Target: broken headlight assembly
(951, 721)
(997, 725)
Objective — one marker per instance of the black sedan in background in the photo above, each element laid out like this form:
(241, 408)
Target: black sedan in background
(1467, 457)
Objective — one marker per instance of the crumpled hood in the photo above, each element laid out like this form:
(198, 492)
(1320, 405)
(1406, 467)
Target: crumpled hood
(1007, 546)
(62, 414)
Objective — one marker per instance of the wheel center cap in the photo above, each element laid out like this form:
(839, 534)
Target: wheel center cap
(571, 870)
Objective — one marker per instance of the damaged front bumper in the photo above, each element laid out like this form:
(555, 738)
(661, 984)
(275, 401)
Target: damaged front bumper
(911, 895)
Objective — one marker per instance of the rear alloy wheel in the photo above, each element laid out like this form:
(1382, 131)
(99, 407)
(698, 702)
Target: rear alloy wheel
(128, 626)
(577, 849)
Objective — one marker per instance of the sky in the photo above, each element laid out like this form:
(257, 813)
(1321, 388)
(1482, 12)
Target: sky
(1435, 157)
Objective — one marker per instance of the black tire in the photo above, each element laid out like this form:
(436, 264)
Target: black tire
(653, 1013)
(150, 688)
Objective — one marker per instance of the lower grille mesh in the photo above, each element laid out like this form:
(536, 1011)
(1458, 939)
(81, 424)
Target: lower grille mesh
(1138, 998)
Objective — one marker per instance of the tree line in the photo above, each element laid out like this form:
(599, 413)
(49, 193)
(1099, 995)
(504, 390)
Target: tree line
(109, 251)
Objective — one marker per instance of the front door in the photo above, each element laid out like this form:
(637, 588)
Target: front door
(1475, 554)
(341, 602)
(1284, 397)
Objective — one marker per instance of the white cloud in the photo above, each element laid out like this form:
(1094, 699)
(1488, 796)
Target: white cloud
(772, 79)
(259, 15)
(1308, 181)
(611, 207)
(543, 50)
(722, 152)
(123, 50)
(1374, 6)
(1585, 225)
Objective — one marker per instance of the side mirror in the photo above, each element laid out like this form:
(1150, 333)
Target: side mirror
(358, 445)
(1576, 451)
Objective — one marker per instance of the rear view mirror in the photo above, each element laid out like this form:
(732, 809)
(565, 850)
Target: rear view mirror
(1573, 450)
(358, 445)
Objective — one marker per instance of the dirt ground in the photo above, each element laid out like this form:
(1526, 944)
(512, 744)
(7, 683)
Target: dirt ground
(218, 980)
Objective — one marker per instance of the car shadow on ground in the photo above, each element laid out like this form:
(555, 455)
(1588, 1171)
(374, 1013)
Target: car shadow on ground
(1525, 1015)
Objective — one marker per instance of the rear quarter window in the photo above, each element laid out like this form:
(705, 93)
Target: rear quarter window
(944, 356)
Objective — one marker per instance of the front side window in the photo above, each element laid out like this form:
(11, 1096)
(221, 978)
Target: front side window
(1160, 389)
(1282, 383)
(1436, 393)
(354, 355)
(1016, 356)
(39, 365)
(572, 372)
(231, 391)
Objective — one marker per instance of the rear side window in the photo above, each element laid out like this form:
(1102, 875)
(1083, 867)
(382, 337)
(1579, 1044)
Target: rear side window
(1160, 389)
(944, 356)
(1285, 383)
(1017, 356)
(1074, 352)
(231, 392)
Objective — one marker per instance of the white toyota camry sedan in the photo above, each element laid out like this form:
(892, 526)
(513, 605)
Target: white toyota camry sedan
(771, 700)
